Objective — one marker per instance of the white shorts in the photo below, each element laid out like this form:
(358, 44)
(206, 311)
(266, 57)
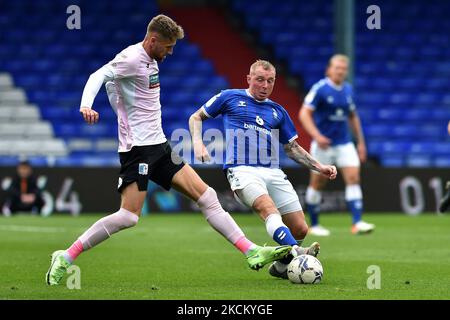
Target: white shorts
(248, 183)
(342, 155)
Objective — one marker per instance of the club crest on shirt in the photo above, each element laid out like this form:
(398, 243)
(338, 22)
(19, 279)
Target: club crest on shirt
(275, 114)
(259, 120)
(153, 81)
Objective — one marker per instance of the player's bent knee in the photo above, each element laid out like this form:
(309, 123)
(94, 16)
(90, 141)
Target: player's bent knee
(127, 218)
(130, 223)
(208, 202)
(264, 205)
(353, 180)
(300, 231)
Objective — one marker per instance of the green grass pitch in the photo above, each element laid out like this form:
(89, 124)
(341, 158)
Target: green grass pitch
(178, 256)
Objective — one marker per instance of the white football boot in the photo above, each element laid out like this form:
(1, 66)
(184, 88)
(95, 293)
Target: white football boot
(319, 231)
(362, 227)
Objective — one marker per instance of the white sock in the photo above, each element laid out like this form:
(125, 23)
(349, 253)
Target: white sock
(273, 223)
(106, 226)
(313, 196)
(219, 219)
(353, 192)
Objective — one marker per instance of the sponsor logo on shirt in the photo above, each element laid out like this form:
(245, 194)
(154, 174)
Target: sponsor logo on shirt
(256, 128)
(242, 104)
(338, 116)
(153, 81)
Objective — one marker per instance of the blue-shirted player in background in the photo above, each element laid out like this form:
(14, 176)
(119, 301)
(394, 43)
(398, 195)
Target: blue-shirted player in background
(327, 112)
(255, 126)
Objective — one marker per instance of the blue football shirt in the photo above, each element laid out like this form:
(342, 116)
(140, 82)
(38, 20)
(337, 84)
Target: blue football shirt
(254, 129)
(332, 106)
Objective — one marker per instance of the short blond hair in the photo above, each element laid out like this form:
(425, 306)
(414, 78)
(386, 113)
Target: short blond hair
(266, 65)
(166, 27)
(339, 56)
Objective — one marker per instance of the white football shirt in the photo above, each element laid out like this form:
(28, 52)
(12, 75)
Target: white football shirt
(135, 96)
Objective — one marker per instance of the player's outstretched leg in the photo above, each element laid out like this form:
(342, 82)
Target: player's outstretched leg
(190, 184)
(97, 233)
(292, 233)
(445, 201)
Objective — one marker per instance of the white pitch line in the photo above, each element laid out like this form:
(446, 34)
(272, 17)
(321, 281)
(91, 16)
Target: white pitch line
(17, 228)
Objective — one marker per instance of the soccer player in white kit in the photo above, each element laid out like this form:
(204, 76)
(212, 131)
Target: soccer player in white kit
(132, 83)
(327, 113)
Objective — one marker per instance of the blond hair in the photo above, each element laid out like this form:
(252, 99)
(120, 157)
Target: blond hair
(166, 27)
(266, 65)
(339, 56)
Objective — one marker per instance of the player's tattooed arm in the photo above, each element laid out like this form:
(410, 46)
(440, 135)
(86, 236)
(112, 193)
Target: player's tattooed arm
(301, 156)
(195, 127)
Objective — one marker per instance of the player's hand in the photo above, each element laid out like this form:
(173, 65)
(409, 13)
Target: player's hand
(89, 115)
(362, 152)
(323, 142)
(201, 153)
(328, 171)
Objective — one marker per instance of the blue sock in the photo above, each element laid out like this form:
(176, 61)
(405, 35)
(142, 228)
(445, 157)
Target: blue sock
(355, 207)
(313, 210)
(283, 236)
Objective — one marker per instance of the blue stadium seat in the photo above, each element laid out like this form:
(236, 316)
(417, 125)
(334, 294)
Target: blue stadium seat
(421, 161)
(53, 65)
(442, 162)
(394, 161)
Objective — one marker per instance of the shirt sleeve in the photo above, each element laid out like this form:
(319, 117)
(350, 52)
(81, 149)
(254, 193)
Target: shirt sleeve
(352, 105)
(312, 98)
(94, 83)
(124, 66)
(215, 106)
(288, 133)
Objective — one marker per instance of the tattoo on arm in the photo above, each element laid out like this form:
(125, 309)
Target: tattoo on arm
(301, 156)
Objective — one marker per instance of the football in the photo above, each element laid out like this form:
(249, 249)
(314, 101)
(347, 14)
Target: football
(305, 269)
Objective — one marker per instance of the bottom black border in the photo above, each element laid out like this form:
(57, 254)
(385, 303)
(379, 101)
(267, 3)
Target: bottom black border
(228, 309)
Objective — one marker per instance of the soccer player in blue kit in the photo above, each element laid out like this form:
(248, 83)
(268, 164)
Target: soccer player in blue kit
(327, 113)
(255, 126)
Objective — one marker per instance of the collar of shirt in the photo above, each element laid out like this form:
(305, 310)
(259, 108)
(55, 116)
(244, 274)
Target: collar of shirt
(147, 57)
(250, 95)
(334, 85)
